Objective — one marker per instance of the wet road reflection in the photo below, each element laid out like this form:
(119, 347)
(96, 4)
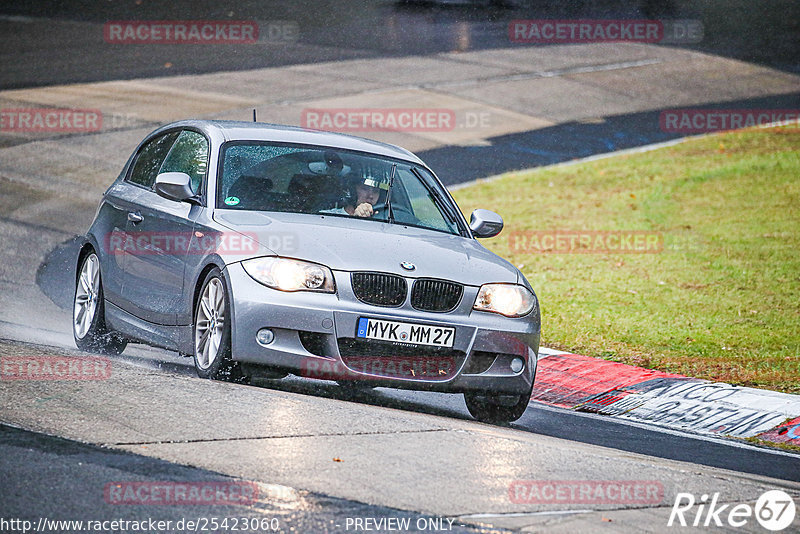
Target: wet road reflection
(560, 423)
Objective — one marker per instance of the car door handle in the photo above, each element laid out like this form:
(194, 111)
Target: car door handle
(135, 217)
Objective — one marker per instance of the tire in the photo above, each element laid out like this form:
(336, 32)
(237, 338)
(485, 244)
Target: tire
(211, 332)
(88, 311)
(495, 408)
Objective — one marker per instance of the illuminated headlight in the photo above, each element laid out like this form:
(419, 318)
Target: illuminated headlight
(290, 275)
(506, 299)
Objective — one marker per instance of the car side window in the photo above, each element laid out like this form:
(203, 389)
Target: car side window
(423, 204)
(189, 155)
(149, 160)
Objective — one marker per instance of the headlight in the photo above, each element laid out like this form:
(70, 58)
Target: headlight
(506, 299)
(290, 275)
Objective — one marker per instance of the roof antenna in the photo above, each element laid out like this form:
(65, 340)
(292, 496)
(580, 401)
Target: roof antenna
(254, 114)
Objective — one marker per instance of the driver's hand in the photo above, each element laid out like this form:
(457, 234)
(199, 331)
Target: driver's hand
(363, 210)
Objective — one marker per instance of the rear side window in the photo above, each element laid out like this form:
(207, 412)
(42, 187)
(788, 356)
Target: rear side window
(189, 155)
(149, 160)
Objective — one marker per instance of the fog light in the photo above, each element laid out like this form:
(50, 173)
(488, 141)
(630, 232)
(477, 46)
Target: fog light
(517, 364)
(265, 336)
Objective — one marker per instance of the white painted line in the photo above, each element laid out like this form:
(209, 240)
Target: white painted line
(20, 18)
(544, 352)
(525, 514)
(605, 155)
(542, 74)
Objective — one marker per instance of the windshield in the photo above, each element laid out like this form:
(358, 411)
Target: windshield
(320, 180)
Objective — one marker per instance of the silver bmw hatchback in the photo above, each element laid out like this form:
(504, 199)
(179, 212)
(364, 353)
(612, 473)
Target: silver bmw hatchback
(263, 250)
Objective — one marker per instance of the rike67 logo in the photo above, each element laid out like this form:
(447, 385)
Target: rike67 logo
(774, 510)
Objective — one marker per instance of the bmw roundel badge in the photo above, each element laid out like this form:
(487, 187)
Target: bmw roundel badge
(408, 266)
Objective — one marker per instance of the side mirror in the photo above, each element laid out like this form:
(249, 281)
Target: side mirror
(485, 223)
(174, 186)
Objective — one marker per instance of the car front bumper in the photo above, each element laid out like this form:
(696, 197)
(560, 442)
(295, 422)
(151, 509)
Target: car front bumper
(315, 336)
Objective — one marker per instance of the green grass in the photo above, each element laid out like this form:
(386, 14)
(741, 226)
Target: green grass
(721, 300)
(778, 445)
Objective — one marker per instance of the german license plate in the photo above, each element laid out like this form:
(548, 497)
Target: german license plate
(418, 334)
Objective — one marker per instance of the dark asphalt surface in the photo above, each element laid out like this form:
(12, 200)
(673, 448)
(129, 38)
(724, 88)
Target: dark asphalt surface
(586, 428)
(57, 479)
(457, 164)
(63, 43)
(568, 141)
(51, 477)
(589, 428)
(55, 43)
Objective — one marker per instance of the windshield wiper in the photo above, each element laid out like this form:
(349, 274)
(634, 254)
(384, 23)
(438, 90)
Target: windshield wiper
(387, 205)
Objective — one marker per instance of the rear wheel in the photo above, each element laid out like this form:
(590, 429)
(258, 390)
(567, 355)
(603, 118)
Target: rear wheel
(212, 332)
(88, 312)
(496, 408)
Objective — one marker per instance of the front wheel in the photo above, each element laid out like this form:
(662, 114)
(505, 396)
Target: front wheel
(212, 332)
(88, 312)
(496, 408)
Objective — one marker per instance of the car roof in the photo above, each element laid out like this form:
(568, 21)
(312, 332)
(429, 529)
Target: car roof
(261, 131)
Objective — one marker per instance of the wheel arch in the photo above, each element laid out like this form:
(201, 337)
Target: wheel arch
(226, 368)
(85, 249)
(198, 283)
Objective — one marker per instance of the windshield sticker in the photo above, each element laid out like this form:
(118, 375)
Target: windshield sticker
(232, 201)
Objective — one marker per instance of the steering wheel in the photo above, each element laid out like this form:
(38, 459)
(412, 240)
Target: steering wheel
(405, 213)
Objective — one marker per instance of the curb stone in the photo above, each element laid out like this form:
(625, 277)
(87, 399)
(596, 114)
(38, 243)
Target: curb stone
(663, 399)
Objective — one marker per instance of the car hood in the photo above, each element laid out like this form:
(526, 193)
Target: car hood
(347, 244)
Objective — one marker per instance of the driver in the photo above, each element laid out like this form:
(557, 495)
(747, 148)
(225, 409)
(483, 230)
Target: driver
(363, 194)
(366, 196)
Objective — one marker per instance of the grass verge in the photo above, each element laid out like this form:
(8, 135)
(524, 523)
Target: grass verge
(719, 299)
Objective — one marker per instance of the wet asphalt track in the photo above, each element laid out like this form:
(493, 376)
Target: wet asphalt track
(41, 59)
